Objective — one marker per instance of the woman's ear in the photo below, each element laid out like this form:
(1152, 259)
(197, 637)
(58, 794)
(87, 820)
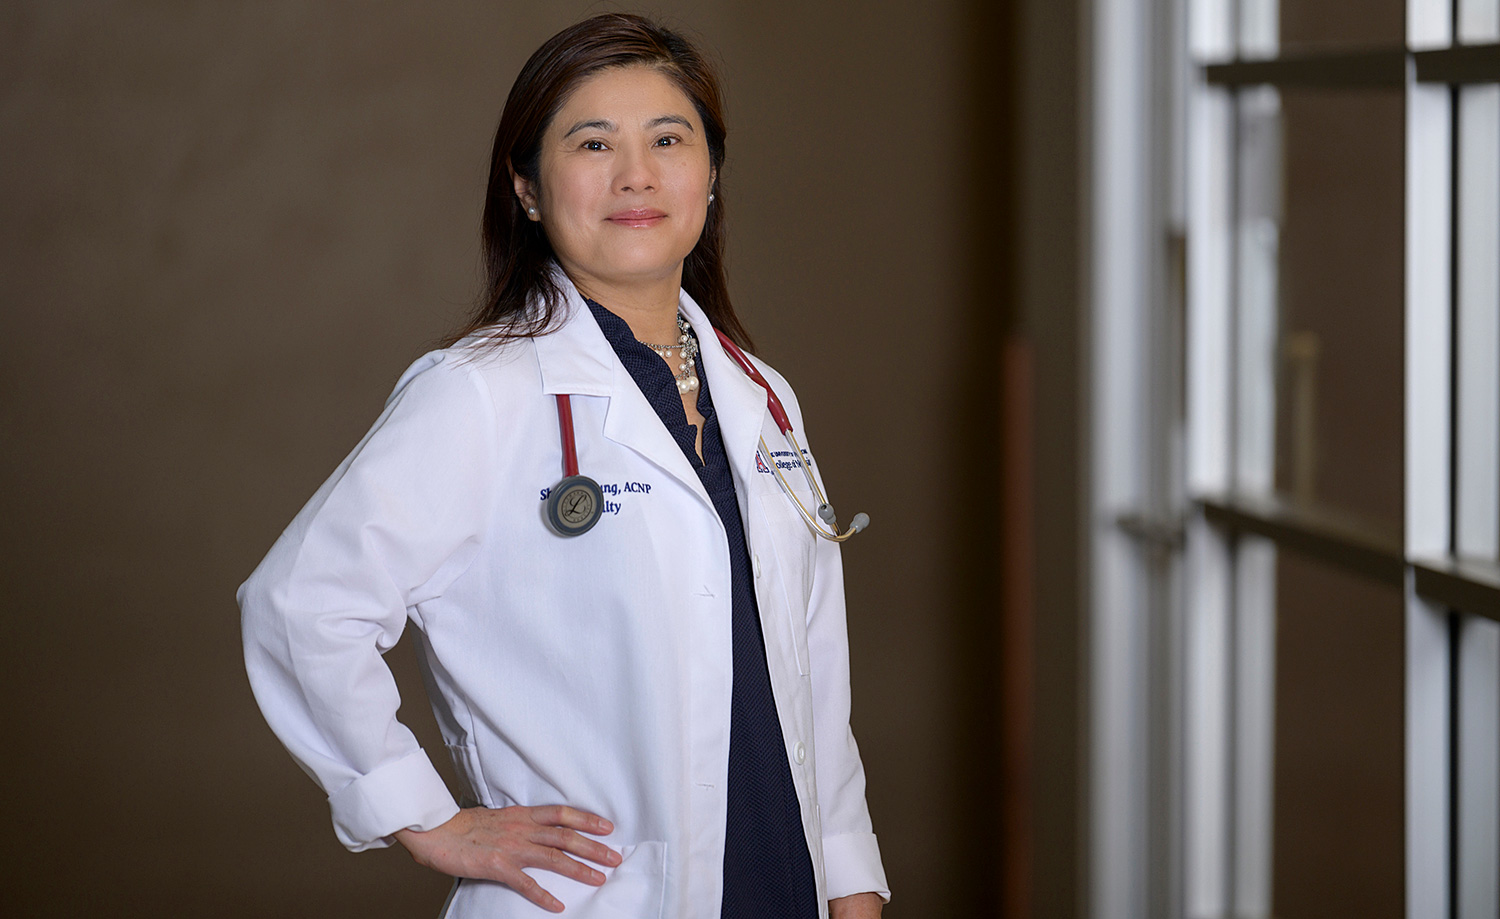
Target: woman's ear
(524, 192)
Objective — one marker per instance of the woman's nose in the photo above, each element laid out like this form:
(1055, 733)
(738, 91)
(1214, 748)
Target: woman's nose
(637, 171)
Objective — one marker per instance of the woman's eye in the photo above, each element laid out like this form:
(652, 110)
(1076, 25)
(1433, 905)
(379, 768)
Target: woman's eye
(666, 141)
(594, 145)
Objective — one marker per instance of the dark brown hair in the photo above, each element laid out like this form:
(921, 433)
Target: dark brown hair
(521, 299)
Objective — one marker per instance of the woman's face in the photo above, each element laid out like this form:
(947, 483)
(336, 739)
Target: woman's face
(624, 177)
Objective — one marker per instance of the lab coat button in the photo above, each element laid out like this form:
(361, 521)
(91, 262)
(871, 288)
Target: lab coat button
(799, 753)
(755, 565)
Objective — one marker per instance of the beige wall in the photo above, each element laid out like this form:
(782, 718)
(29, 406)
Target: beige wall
(226, 228)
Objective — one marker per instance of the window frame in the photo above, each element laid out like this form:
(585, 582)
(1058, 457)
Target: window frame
(1170, 558)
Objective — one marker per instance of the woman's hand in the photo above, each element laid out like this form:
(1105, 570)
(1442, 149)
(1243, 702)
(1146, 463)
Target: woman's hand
(496, 844)
(856, 906)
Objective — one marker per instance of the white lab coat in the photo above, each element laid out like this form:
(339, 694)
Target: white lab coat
(592, 671)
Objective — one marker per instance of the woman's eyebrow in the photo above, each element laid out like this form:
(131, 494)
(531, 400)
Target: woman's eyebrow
(598, 124)
(603, 124)
(660, 120)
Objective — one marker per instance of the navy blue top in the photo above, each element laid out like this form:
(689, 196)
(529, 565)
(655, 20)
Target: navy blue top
(768, 871)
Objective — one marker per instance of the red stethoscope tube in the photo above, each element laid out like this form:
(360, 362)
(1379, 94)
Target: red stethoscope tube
(569, 448)
(824, 523)
(772, 403)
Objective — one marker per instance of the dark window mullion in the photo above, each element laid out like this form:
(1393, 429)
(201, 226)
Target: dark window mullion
(1459, 64)
(1468, 587)
(1371, 68)
(1366, 69)
(1353, 547)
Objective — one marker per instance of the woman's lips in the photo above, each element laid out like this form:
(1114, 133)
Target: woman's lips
(638, 217)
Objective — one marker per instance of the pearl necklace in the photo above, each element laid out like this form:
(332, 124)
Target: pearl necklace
(687, 351)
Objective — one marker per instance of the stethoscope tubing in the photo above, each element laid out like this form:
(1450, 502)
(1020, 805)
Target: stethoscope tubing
(778, 413)
(812, 523)
(569, 445)
(574, 505)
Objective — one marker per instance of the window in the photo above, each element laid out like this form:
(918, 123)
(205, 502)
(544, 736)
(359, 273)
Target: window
(1296, 485)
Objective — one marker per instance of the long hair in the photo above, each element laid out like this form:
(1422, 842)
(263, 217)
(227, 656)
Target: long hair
(521, 298)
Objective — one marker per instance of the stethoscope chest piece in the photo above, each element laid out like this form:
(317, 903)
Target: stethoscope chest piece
(574, 505)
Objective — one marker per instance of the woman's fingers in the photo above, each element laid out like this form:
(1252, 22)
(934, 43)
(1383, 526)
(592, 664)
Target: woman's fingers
(581, 846)
(572, 818)
(557, 862)
(527, 886)
(550, 859)
(497, 844)
(556, 826)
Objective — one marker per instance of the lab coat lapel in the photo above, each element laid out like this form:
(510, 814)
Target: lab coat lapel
(577, 359)
(739, 401)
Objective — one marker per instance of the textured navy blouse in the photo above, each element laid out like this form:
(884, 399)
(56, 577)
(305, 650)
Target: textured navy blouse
(767, 869)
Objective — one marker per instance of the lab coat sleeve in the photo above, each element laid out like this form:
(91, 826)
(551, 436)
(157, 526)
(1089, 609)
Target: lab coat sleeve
(399, 519)
(851, 856)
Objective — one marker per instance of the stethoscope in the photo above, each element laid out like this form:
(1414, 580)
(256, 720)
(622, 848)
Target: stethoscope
(575, 504)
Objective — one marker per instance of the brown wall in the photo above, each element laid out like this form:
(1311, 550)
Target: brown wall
(226, 228)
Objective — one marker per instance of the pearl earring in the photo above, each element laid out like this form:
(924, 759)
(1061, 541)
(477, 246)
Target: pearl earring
(710, 197)
(531, 212)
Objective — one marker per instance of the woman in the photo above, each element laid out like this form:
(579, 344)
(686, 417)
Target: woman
(650, 715)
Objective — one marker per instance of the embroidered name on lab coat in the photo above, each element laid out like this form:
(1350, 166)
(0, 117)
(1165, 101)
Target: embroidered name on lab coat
(612, 490)
(785, 459)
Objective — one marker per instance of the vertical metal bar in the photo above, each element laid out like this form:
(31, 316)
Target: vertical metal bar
(1428, 754)
(1121, 179)
(1429, 307)
(1210, 283)
(1259, 27)
(1207, 720)
(1254, 711)
(1477, 338)
(1258, 247)
(1429, 23)
(1210, 369)
(1258, 217)
(1428, 320)
(1211, 29)
(1170, 87)
(1476, 500)
(1478, 21)
(1478, 742)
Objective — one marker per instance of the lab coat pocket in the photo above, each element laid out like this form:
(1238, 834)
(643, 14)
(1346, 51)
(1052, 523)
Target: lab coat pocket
(634, 889)
(466, 761)
(794, 546)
